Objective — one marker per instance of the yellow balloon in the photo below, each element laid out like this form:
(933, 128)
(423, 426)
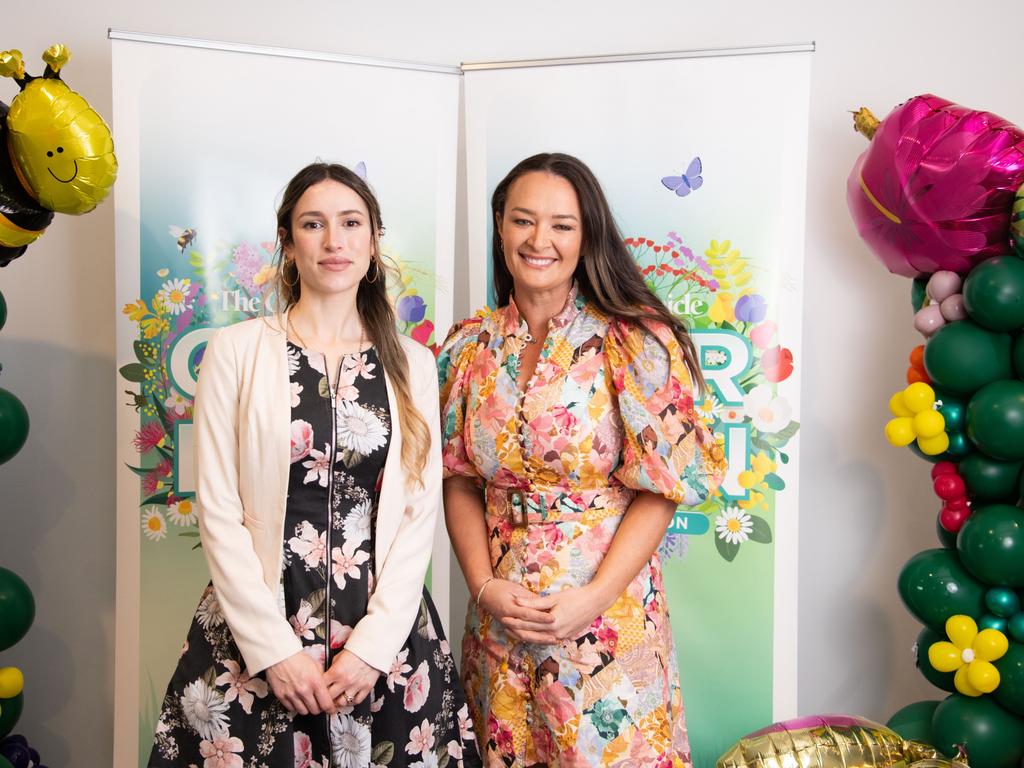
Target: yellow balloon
(961, 630)
(929, 424)
(963, 683)
(945, 657)
(900, 431)
(933, 446)
(983, 676)
(897, 407)
(11, 682)
(834, 741)
(919, 397)
(990, 644)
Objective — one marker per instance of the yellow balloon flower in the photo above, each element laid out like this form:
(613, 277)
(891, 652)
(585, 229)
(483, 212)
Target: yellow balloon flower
(969, 654)
(11, 682)
(917, 419)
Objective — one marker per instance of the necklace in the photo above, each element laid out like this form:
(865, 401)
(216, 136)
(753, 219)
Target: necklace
(302, 341)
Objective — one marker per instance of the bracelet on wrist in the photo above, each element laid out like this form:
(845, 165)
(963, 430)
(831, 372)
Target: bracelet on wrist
(480, 592)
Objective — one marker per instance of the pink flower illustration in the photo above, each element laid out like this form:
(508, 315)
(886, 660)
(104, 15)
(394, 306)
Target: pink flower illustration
(417, 688)
(149, 437)
(241, 686)
(421, 739)
(221, 752)
(302, 439)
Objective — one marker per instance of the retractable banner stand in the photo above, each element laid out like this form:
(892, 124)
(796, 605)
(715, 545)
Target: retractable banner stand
(703, 157)
(207, 137)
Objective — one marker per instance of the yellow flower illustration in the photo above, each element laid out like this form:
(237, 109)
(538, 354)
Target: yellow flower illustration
(722, 310)
(969, 655)
(762, 465)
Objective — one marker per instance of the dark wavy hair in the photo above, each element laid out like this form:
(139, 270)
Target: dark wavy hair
(372, 301)
(606, 274)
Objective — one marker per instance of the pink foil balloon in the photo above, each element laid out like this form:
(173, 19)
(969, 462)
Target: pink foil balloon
(934, 189)
(929, 319)
(943, 284)
(952, 308)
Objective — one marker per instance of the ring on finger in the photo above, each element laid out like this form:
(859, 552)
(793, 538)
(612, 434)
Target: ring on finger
(348, 699)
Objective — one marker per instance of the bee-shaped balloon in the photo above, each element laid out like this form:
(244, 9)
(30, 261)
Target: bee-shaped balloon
(56, 153)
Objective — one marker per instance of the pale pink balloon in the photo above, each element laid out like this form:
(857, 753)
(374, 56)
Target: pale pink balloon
(935, 188)
(943, 284)
(928, 320)
(952, 308)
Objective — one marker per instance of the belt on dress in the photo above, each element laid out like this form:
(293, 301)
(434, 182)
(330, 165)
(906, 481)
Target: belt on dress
(536, 504)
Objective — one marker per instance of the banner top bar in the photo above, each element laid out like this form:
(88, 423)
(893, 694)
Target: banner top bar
(699, 53)
(291, 53)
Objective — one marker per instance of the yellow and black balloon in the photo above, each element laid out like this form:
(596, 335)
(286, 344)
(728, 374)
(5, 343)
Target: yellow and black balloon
(57, 154)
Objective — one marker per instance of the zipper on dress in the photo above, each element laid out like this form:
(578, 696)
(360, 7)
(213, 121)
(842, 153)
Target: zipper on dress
(330, 514)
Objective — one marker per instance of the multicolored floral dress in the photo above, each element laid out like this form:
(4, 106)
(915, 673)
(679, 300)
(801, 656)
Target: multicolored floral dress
(609, 411)
(216, 716)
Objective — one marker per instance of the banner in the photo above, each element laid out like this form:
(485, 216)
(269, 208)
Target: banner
(207, 139)
(704, 163)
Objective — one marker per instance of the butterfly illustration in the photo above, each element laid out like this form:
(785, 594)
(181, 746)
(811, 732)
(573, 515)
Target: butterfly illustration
(689, 181)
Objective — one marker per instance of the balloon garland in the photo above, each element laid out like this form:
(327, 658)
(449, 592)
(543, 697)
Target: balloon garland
(56, 155)
(938, 197)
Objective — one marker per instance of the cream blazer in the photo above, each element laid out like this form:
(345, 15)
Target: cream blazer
(242, 451)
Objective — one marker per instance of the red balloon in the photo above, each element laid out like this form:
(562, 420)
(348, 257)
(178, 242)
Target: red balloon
(953, 519)
(935, 188)
(949, 486)
(960, 502)
(943, 468)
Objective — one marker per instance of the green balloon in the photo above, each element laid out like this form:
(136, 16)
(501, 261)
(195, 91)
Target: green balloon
(914, 721)
(943, 680)
(995, 420)
(13, 425)
(992, 736)
(989, 479)
(991, 545)
(946, 538)
(1015, 627)
(959, 446)
(1018, 357)
(5, 763)
(994, 293)
(963, 357)
(17, 608)
(10, 711)
(1002, 602)
(3, 311)
(1010, 693)
(953, 413)
(988, 621)
(934, 586)
(918, 292)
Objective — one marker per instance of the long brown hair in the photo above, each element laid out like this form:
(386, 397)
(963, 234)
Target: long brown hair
(372, 302)
(606, 274)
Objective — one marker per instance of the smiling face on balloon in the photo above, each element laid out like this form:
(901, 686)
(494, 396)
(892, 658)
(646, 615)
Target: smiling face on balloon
(63, 151)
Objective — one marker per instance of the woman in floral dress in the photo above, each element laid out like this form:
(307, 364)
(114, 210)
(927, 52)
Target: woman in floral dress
(318, 457)
(570, 437)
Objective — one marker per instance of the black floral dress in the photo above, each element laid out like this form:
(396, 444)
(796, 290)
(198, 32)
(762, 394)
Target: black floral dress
(216, 716)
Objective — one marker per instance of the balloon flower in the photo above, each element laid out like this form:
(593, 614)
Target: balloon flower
(969, 653)
(917, 419)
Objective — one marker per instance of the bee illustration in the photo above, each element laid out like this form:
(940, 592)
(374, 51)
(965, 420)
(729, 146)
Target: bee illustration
(185, 237)
(138, 399)
(59, 154)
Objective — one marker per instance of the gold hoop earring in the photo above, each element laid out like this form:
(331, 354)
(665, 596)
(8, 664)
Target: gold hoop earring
(376, 271)
(284, 278)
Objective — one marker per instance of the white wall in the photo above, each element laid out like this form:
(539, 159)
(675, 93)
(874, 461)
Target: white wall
(865, 507)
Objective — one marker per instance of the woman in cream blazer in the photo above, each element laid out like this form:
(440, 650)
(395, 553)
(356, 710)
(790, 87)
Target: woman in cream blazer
(316, 644)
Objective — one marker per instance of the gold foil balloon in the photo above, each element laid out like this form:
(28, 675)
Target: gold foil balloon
(58, 154)
(828, 741)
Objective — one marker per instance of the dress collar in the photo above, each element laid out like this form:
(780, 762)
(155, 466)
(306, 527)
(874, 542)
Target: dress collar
(513, 324)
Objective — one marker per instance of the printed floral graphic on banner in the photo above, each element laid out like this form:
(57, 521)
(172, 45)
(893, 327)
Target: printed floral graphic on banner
(206, 289)
(744, 361)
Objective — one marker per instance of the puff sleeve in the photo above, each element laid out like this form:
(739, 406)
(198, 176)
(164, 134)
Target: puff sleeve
(666, 446)
(454, 372)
